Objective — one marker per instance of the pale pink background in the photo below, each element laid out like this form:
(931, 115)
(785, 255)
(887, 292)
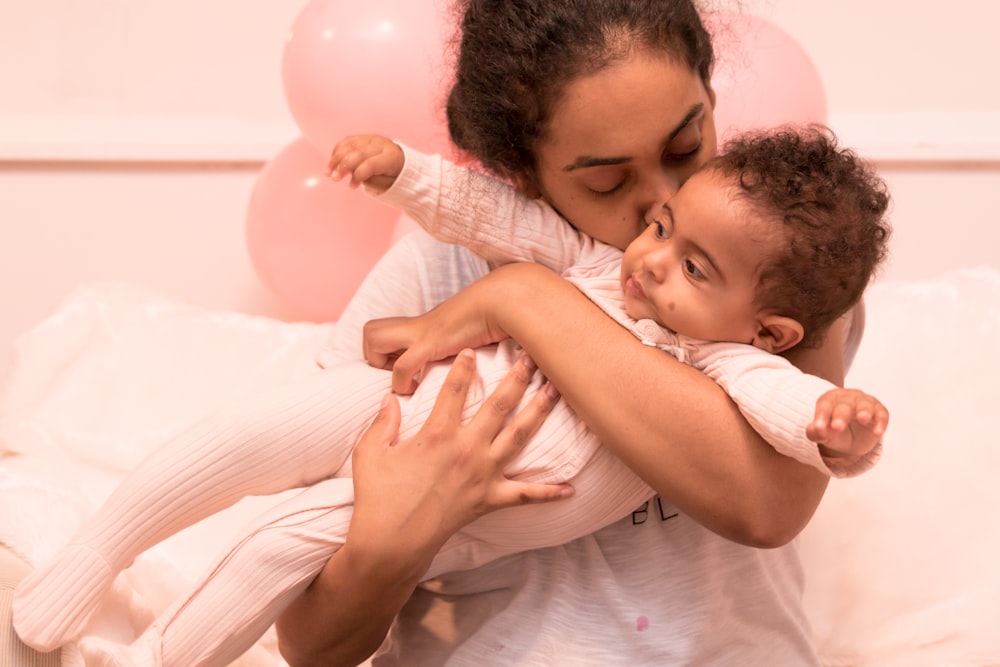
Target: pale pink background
(131, 134)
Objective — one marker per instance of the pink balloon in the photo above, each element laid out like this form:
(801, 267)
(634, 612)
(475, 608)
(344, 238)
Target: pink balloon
(312, 240)
(762, 77)
(358, 66)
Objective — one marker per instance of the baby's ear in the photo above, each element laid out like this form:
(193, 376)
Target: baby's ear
(525, 184)
(776, 333)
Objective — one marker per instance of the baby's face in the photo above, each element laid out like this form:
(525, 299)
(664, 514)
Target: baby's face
(694, 269)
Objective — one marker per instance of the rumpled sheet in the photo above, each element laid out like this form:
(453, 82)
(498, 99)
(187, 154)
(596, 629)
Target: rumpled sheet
(900, 562)
(97, 385)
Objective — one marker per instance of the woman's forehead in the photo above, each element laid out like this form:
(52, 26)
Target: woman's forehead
(625, 107)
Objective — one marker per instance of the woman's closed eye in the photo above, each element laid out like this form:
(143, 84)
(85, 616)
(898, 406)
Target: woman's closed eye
(606, 192)
(682, 157)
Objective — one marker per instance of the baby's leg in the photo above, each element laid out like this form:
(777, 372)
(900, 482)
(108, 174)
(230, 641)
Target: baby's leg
(246, 590)
(606, 490)
(283, 439)
(13, 653)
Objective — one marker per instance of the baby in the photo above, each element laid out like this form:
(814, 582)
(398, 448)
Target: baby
(762, 250)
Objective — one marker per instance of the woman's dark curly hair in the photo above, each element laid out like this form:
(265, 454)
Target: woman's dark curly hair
(830, 207)
(515, 58)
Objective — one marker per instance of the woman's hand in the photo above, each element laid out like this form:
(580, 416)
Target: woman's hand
(410, 497)
(407, 344)
(450, 473)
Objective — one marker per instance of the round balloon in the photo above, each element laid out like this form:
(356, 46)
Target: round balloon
(762, 76)
(312, 240)
(351, 67)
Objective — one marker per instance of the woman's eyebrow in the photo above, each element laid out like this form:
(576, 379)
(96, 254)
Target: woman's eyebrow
(585, 161)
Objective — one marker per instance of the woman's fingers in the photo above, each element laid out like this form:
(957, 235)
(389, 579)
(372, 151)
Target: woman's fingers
(464, 462)
(509, 434)
(490, 418)
(446, 415)
(512, 493)
(385, 426)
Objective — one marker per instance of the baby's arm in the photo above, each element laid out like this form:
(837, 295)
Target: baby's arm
(458, 205)
(848, 423)
(838, 431)
(370, 159)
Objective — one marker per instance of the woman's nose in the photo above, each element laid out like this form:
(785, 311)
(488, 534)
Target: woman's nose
(659, 189)
(655, 211)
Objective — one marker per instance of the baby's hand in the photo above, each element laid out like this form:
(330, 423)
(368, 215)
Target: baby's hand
(848, 423)
(370, 159)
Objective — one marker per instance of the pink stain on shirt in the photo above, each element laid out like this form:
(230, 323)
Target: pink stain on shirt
(641, 624)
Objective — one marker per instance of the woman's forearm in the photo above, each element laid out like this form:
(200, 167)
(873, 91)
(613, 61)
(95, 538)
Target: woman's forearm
(668, 422)
(345, 614)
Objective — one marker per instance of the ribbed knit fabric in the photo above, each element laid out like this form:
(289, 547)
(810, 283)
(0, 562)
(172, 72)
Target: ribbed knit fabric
(295, 436)
(283, 439)
(220, 617)
(13, 652)
(45, 615)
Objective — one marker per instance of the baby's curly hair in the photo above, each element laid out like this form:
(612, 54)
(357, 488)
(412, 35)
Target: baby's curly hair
(831, 206)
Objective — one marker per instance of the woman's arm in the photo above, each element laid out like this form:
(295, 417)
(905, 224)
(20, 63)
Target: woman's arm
(671, 424)
(668, 422)
(410, 497)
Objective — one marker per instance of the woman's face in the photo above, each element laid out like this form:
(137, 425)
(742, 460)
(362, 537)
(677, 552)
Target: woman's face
(622, 141)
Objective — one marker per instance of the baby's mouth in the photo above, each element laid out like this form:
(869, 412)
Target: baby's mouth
(633, 288)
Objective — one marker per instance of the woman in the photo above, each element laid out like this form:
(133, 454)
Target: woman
(601, 109)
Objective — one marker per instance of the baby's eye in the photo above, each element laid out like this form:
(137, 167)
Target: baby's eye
(692, 270)
(659, 230)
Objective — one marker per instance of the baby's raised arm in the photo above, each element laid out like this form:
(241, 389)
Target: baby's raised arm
(459, 205)
(792, 410)
(370, 159)
(848, 424)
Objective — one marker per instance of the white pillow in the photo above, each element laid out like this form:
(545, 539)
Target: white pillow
(901, 562)
(117, 368)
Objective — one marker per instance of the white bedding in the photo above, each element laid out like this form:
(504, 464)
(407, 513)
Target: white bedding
(900, 562)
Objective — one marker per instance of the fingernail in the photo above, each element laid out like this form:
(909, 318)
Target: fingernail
(467, 353)
(551, 390)
(528, 361)
(566, 492)
(385, 401)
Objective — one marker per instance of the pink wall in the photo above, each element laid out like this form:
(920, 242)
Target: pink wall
(131, 134)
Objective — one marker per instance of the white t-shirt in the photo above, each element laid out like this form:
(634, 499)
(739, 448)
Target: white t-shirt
(655, 588)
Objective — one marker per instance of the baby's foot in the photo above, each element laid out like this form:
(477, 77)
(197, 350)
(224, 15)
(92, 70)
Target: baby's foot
(100, 652)
(53, 604)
